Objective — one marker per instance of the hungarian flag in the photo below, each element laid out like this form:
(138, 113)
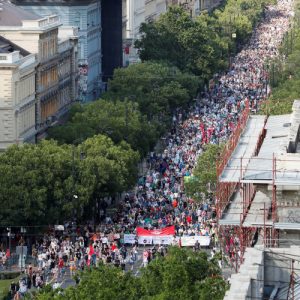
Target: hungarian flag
(170, 230)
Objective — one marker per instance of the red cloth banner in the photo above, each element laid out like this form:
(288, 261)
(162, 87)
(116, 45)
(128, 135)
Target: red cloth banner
(156, 232)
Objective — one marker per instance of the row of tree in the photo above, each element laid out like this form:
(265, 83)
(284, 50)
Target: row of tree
(203, 45)
(285, 72)
(182, 275)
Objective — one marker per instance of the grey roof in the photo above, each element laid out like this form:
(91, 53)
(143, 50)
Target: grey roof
(255, 216)
(287, 226)
(12, 15)
(7, 46)
(244, 149)
(259, 169)
(54, 2)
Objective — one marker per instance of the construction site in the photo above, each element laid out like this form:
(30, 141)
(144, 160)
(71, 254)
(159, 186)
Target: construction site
(258, 189)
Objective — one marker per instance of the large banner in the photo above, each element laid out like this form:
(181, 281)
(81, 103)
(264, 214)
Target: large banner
(129, 238)
(170, 230)
(189, 241)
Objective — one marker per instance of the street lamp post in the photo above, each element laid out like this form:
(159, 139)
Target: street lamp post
(74, 196)
(22, 261)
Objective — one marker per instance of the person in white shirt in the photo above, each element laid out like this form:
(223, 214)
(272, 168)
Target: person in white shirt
(56, 285)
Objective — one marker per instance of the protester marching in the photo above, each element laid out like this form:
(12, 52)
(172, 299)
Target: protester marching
(158, 212)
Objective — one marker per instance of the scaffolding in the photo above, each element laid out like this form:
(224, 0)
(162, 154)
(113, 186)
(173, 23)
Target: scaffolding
(226, 190)
(259, 162)
(236, 233)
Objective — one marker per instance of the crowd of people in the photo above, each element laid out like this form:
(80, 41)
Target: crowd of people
(159, 199)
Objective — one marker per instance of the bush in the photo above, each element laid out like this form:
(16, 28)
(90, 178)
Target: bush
(8, 275)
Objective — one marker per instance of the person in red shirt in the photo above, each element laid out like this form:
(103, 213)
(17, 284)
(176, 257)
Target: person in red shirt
(60, 263)
(113, 247)
(60, 267)
(174, 203)
(189, 219)
(7, 254)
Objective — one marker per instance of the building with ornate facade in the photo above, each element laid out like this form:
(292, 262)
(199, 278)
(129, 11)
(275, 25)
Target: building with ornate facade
(17, 97)
(85, 15)
(195, 7)
(39, 36)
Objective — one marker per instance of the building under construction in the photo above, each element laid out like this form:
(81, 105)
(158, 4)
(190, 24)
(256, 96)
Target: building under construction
(258, 191)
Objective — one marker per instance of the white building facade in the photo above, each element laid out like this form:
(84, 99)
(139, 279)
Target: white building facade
(51, 87)
(86, 16)
(17, 97)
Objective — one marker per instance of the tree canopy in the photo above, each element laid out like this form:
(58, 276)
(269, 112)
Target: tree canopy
(157, 88)
(201, 45)
(118, 120)
(33, 182)
(204, 174)
(37, 179)
(190, 44)
(285, 76)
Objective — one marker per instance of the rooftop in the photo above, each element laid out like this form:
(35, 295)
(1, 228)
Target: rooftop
(278, 157)
(54, 2)
(12, 15)
(6, 46)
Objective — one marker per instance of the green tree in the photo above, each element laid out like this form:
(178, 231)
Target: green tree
(191, 45)
(34, 182)
(211, 288)
(107, 169)
(118, 120)
(201, 45)
(157, 88)
(176, 275)
(101, 283)
(120, 163)
(71, 132)
(204, 174)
